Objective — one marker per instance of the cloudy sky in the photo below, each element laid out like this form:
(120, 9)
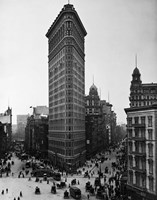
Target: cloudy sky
(116, 31)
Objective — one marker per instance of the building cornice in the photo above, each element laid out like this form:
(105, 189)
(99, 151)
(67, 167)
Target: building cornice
(68, 8)
(141, 108)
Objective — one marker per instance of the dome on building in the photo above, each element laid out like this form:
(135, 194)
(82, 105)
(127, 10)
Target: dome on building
(136, 71)
(93, 87)
(93, 90)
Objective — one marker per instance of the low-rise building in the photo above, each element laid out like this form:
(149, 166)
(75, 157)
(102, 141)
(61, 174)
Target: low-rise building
(36, 132)
(21, 125)
(6, 120)
(3, 141)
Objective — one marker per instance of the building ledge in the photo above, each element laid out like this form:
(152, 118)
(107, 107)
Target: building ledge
(137, 170)
(139, 125)
(139, 138)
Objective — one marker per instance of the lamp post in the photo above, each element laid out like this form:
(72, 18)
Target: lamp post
(100, 166)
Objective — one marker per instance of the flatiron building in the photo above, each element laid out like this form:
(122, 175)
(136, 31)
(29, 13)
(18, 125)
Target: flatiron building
(66, 71)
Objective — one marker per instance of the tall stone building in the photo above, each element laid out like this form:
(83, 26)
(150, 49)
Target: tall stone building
(142, 139)
(66, 89)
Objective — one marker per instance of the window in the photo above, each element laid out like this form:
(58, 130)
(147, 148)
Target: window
(150, 121)
(130, 121)
(150, 134)
(130, 133)
(137, 179)
(131, 177)
(143, 182)
(136, 133)
(143, 150)
(142, 120)
(150, 150)
(137, 162)
(136, 120)
(151, 188)
(130, 147)
(150, 166)
(130, 161)
(143, 133)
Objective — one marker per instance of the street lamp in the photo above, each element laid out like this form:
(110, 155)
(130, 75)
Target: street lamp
(100, 166)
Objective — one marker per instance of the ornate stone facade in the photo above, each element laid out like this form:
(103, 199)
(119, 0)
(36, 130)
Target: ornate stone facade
(142, 139)
(66, 89)
(142, 152)
(141, 94)
(100, 123)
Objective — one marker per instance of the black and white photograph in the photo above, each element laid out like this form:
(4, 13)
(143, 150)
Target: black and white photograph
(78, 99)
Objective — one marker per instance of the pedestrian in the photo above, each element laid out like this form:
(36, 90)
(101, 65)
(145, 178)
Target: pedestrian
(2, 192)
(18, 198)
(21, 194)
(88, 196)
(78, 182)
(7, 190)
(14, 198)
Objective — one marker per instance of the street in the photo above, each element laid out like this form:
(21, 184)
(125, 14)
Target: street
(16, 185)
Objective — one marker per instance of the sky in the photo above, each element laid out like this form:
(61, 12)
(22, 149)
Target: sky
(117, 30)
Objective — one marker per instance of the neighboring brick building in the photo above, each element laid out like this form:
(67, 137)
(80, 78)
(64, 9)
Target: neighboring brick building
(36, 132)
(3, 141)
(21, 125)
(66, 89)
(6, 120)
(100, 123)
(110, 119)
